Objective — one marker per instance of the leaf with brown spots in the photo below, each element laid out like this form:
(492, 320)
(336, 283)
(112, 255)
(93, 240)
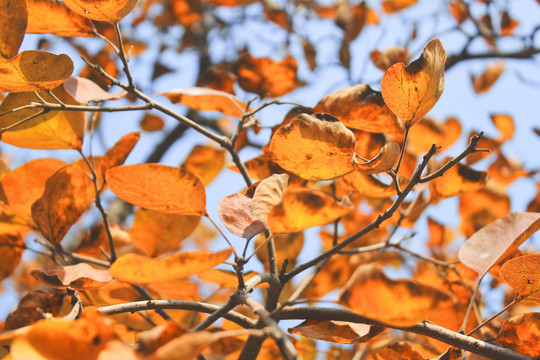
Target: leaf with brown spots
(456, 181)
(53, 17)
(401, 350)
(523, 275)
(14, 15)
(521, 333)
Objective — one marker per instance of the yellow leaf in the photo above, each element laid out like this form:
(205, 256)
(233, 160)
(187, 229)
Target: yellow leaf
(383, 161)
(53, 17)
(14, 15)
(103, 10)
(205, 99)
(205, 161)
(457, 180)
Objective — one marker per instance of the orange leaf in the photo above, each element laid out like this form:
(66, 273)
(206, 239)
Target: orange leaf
(411, 91)
(11, 249)
(103, 10)
(401, 350)
(66, 196)
(521, 333)
(204, 99)
(157, 233)
(505, 124)
(53, 17)
(186, 347)
(139, 269)
(150, 340)
(386, 58)
(235, 213)
(79, 277)
(427, 132)
(21, 187)
(482, 83)
(118, 154)
(523, 275)
(151, 122)
(224, 278)
(392, 6)
(337, 331)
(360, 107)
(205, 161)
(498, 239)
(86, 336)
(457, 180)
(479, 208)
(34, 70)
(303, 208)
(288, 247)
(395, 302)
(368, 185)
(52, 130)
(159, 187)
(85, 90)
(14, 15)
(383, 161)
(314, 147)
(268, 194)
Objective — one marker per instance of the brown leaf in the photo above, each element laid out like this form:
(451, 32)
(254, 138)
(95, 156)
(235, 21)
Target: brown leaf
(159, 187)
(362, 108)
(206, 162)
(224, 278)
(411, 91)
(395, 302)
(235, 213)
(139, 269)
(218, 78)
(79, 277)
(314, 147)
(205, 99)
(156, 233)
(150, 340)
(34, 70)
(459, 10)
(523, 275)
(14, 15)
(11, 248)
(383, 161)
(103, 10)
(66, 196)
(151, 122)
(32, 307)
(303, 208)
(85, 90)
(337, 331)
(482, 83)
(268, 194)
(53, 17)
(521, 333)
(498, 239)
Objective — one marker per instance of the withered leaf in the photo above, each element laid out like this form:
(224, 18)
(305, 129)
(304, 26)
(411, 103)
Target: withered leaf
(79, 277)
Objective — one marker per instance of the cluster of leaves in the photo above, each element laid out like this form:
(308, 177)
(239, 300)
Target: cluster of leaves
(362, 165)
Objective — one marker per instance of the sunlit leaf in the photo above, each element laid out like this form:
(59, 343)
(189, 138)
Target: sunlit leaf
(159, 187)
(53, 17)
(523, 275)
(484, 143)
(235, 213)
(482, 83)
(139, 269)
(11, 249)
(205, 161)
(14, 15)
(498, 239)
(388, 57)
(79, 277)
(185, 347)
(51, 130)
(392, 6)
(314, 147)
(360, 107)
(25, 184)
(459, 10)
(224, 278)
(157, 233)
(383, 161)
(204, 99)
(85, 90)
(66, 197)
(457, 180)
(102, 10)
(118, 154)
(479, 208)
(34, 70)
(395, 302)
(337, 331)
(505, 171)
(427, 132)
(151, 122)
(505, 124)
(303, 208)
(399, 350)
(411, 91)
(268, 194)
(521, 333)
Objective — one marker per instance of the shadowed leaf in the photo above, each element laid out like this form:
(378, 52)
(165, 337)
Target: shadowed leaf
(102, 10)
(14, 15)
(79, 277)
(11, 247)
(457, 180)
(53, 17)
(521, 333)
(383, 161)
(268, 194)
(337, 331)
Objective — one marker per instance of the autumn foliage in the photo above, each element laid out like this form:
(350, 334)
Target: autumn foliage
(326, 215)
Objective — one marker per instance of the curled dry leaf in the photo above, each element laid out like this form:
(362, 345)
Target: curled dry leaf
(362, 108)
(14, 15)
(383, 161)
(159, 187)
(303, 208)
(457, 180)
(394, 302)
(495, 241)
(104, 10)
(205, 99)
(268, 194)
(411, 91)
(337, 331)
(235, 213)
(53, 17)
(521, 333)
(51, 130)
(523, 275)
(79, 277)
(34, 70)
(66, 196)
(205, 161)
(482, 83)
(139, 269)
(314, 147)
(85, 90)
